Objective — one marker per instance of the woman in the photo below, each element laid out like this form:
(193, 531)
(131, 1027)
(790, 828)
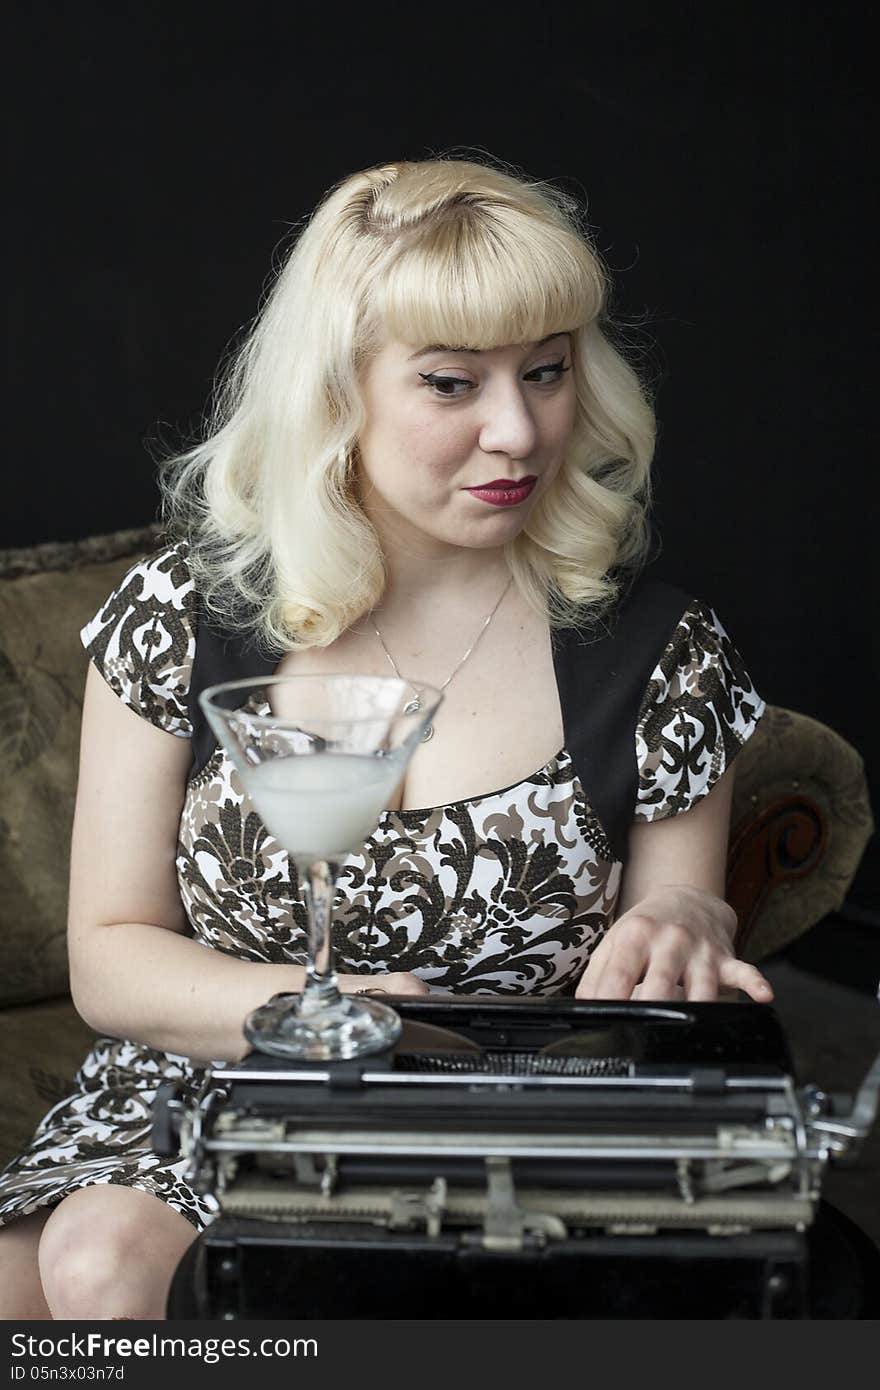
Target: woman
(428, 458)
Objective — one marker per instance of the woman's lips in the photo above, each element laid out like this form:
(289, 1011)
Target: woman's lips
(506, 495)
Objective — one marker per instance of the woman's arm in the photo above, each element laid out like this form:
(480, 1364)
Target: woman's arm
(689, 848)
(133, 971)
(673, 930)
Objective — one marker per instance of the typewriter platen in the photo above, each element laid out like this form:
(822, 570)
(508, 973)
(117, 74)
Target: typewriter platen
(505, 1151)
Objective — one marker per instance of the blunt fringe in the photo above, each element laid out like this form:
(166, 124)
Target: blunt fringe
(440, 250)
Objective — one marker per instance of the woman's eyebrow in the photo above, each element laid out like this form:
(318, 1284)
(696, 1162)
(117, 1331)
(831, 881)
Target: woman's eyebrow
(444, 347)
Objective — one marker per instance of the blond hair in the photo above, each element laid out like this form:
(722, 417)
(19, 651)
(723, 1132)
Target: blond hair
(440, 250)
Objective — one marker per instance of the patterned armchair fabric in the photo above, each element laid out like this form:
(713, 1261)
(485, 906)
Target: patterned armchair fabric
(46, 593)
(801, 815)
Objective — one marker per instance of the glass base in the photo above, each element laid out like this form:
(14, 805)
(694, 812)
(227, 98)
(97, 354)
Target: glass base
(344, 1028)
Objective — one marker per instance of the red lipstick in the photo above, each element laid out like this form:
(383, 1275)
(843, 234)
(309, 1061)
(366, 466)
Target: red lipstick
(503, 492)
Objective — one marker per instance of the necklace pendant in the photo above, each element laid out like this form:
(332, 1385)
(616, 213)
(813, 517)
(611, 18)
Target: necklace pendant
(429, 733)
(412, 706)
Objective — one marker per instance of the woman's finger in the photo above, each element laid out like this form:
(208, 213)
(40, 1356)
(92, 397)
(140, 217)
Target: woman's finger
(668, 961)
(701, 984)
(661, 983)
(614, 979)
(618, 963)
(639, 993)
(589, 980)
(738, 974)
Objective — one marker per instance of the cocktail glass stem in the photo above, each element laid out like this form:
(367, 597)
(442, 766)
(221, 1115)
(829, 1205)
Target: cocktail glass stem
(318, 885)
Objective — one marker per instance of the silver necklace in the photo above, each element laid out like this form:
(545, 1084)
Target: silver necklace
(414, 705)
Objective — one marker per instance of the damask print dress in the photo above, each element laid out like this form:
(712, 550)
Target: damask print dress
(506, 893)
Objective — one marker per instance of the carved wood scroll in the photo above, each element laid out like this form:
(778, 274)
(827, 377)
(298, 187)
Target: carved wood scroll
(787, 840)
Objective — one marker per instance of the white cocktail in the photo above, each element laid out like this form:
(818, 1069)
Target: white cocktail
(323, 806)
(320, 757)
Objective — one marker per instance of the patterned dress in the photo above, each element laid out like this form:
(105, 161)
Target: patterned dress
(506, 893)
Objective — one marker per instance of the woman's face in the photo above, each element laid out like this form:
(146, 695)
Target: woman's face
(441, 421)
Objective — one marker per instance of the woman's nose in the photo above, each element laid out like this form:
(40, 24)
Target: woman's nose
(508, 426)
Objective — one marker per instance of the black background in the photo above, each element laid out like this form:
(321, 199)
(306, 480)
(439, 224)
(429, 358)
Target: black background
(161, 154)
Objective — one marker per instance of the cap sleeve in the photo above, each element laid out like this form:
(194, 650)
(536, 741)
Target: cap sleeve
(699, 709)
(142, 639)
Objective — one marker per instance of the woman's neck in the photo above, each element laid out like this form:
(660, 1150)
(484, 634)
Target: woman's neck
(450, 584)
(425, 574)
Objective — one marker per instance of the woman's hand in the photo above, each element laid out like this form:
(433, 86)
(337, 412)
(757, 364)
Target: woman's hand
(676, 943)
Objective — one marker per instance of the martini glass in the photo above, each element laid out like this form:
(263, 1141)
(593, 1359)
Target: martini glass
(320, 757)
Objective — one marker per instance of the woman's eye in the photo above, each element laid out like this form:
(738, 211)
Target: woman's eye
(437, 383)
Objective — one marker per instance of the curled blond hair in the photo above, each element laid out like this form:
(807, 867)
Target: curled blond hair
(440, 250)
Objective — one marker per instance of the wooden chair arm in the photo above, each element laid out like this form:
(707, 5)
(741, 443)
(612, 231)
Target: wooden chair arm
(785, 841)
(801, 818)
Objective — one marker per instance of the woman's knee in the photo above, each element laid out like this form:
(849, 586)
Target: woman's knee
(111, 1251)
(21, 1292)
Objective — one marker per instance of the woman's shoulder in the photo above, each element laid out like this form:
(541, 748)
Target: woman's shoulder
(153, 584)
(699, 659)
(162, 574)
(142, 638)
(699, 707)
(683, 629)
(661, 678)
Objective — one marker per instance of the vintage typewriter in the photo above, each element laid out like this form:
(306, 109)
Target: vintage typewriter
(532, 1158)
